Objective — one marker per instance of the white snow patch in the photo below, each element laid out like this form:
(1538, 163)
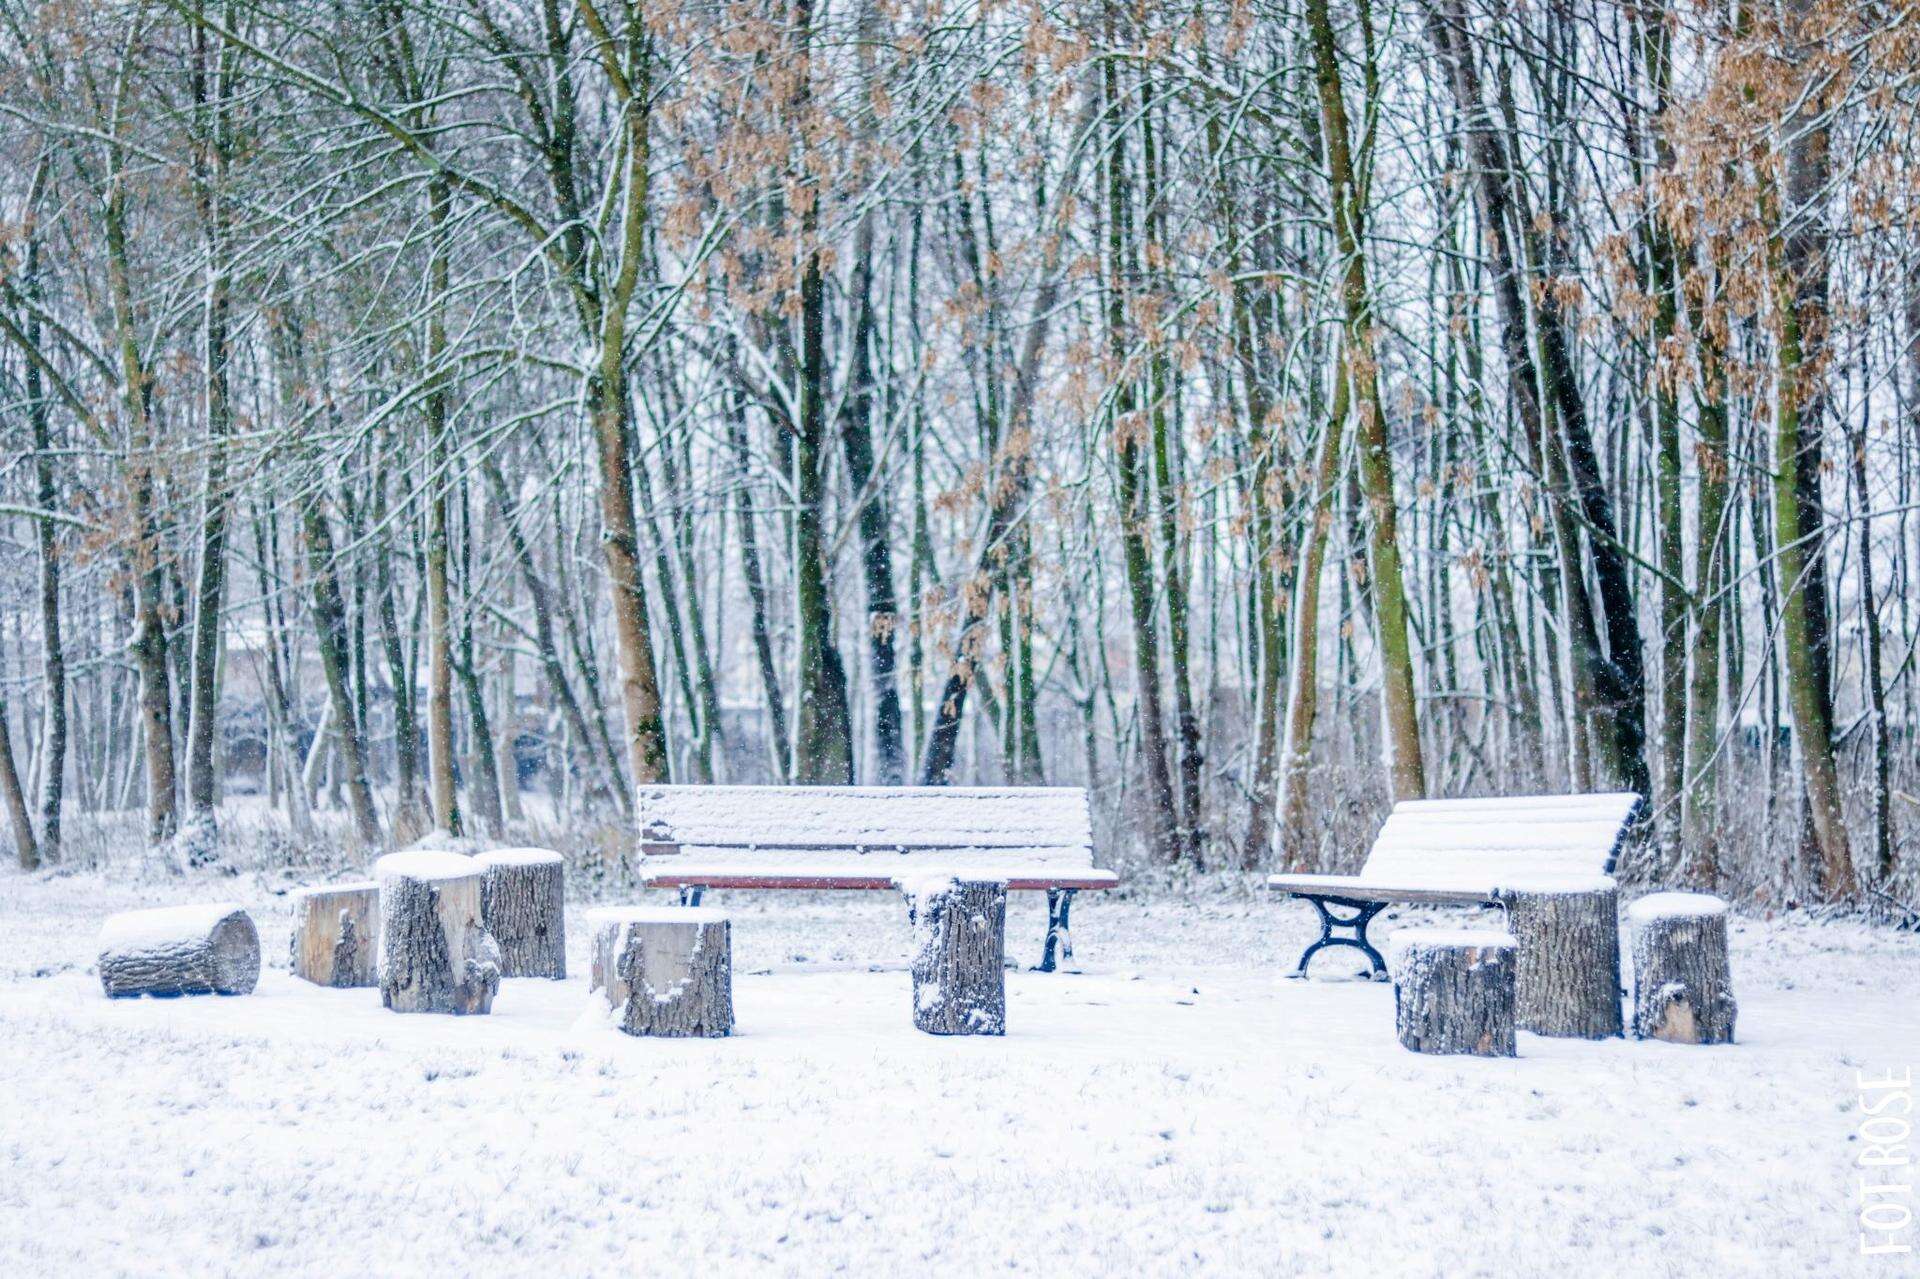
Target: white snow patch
(1470, 938)
(519, 857)
(134, 929)
(1669, 905)
(425, 865)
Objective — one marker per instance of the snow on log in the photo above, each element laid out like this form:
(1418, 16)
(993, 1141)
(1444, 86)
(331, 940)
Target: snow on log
(436, 955)
(1453, 991)
(523, 904)
(959, 975)
(180, 950)
(336, 934)
(664, 971)
(1567, 979)
(1682, 980)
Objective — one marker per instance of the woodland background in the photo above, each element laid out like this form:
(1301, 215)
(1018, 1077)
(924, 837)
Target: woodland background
(455, 413)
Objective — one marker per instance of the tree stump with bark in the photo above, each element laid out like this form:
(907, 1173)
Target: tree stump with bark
(1453, 991)
(436, 955)
(336, 934)
(959, 955)
(663, 971)
(1682, 979)
(523, 904)
(1567, 979)
(180, 950)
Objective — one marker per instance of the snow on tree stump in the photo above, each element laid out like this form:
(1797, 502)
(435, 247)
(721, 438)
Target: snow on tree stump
(523, 904)
(336, 934)
(959, 955)
(1453, 991)
(664, 971)
(1682, 980)
(436, 955)
(1567, 979)
(180, 950)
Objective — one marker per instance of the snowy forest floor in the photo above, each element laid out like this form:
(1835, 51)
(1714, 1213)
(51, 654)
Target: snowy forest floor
(1176, 1106)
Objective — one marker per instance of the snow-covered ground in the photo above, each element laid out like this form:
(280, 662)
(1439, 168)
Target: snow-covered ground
(1177, 1107)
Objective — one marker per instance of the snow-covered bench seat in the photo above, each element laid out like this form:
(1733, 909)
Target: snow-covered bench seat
(1036, 838)
(1462, 852)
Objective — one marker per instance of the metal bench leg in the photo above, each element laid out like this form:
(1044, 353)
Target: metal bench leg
(690, 896)
(1059, 904)
(1356, 935)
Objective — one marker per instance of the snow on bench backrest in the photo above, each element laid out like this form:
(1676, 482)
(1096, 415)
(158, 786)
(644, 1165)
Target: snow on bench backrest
(823, 826)
(1473, 841)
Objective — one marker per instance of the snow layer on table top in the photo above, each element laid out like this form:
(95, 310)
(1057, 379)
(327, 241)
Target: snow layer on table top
(424, 864)
(1475, 938)
(655, 915)
(519, 857)
(864, 816)
(872, 861)
(1669, 905)
(873, 866)
(351, 886)
(137, 928)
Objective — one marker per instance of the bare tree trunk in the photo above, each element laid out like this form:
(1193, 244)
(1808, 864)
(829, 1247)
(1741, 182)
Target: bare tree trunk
(1399, 717)
(26, 848)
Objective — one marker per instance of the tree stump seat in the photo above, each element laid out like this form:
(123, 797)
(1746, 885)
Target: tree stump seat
(436, 955)
(179, 950)
(1682, 978)
(1453, 991)
(663, 971)
(336, 934)
(523, 902)
(959, 955)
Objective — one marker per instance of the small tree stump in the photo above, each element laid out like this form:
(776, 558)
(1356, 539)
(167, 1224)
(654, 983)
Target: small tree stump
(1682, 979)
(959, 952)
(336, 934)
(180, 950)
(523, 903)
(436, 955)
(664, 971)
(1453, 991)
(1567, 980)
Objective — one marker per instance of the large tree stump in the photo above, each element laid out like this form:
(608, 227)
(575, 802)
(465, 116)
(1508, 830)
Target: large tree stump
(336, 934)
(1567, 981)
(1453, 991)
(959, 953)
(1682, 979)
(523, 904)
(180, 950)
(436, 955)
(664, 971)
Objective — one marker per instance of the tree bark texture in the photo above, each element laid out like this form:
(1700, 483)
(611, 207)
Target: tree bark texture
(436, 955)
(959, 950)
(180, 950)
(665, 972)
(523, 904)
(336, 934)
(1567, 982)
(1682, 980)
(1453, 992)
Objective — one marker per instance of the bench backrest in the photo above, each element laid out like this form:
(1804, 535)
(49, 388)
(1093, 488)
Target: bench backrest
(823, 826)
(1475, 840)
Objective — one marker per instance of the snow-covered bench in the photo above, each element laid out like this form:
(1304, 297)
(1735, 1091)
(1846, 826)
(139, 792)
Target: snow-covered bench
(1462, 852)
(1036, 838)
